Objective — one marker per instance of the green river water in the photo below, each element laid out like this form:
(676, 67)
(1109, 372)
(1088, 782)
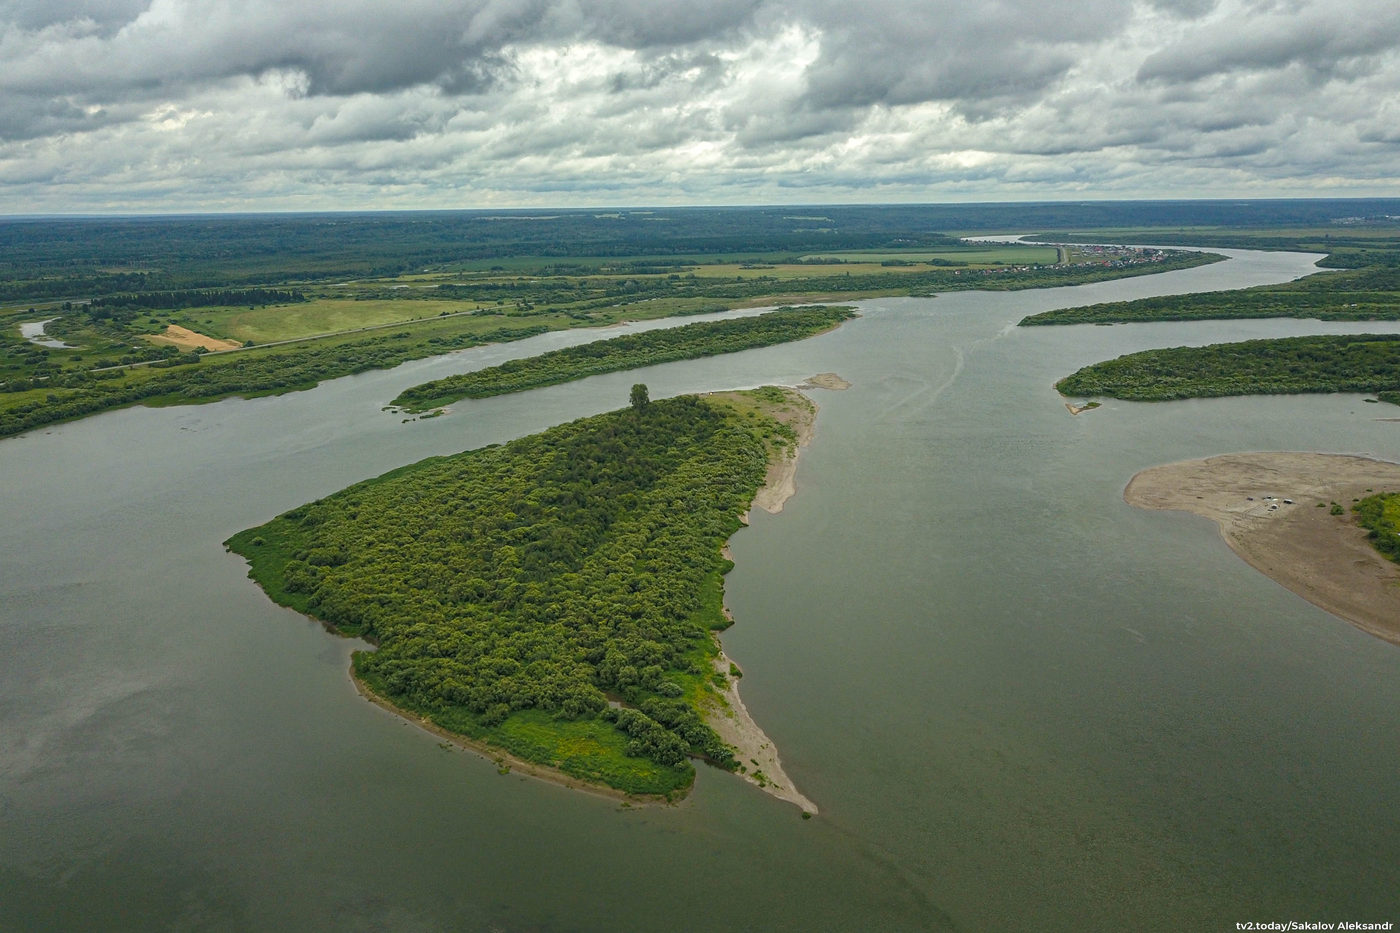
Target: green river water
(1019, 703)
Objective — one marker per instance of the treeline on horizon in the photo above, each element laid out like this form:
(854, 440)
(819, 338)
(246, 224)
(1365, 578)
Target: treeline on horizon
(55, 258)
(587, 293)
(1332, 363)
(513, 591)
(631, 351)
(197, 298)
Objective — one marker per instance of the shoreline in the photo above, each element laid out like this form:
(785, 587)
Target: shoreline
(729, 717)
(497, 755)
(1324, 558)
(763, 767)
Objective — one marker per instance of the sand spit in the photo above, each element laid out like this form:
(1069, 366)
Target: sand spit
(825, 381)
(1322, 557)
(800, 414)
(753, 749)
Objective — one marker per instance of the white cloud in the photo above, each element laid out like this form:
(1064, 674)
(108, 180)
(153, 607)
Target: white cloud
(205, 104)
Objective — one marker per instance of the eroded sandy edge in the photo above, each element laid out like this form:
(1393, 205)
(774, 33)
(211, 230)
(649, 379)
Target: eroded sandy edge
(752, 747)
(1323, 558)
(730, 719)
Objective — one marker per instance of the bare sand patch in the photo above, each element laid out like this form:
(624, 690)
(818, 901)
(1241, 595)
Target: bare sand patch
(186, 339)
(1324, 558)
(754, 750)
(799, 413)
(825, 381)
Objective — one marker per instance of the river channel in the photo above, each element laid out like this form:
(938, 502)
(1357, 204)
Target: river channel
(1019, 703)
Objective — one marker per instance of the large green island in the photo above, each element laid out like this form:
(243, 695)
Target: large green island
(553, 601)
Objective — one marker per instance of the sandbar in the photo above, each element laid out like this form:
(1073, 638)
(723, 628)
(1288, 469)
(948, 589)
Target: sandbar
(825, 381)
(1324, 558)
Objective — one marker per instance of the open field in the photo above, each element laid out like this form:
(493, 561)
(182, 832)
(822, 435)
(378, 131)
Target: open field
(326, 316)
(186, 339)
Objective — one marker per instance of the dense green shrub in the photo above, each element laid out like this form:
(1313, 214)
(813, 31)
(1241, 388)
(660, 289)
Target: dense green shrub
(692, 341)
(1347, 363)
(513, 591)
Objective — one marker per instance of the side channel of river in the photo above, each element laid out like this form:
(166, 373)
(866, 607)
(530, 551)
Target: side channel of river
(1019, 703)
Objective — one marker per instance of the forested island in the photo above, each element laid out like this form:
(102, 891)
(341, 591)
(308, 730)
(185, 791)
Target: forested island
(1364, 285)
(1286, 365)
(1369, 294)
(554, 599)
(692, 341)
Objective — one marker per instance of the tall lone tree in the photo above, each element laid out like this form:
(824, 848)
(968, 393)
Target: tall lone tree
(640, 397)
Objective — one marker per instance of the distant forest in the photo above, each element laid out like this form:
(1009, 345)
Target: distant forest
(47, 258)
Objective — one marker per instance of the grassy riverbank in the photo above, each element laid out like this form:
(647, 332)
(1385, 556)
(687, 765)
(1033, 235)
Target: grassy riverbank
(1379, 514)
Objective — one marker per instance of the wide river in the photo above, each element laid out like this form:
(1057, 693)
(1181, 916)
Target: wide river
(1019, 703)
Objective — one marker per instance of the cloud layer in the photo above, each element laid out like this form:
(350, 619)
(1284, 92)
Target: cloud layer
(175, 105)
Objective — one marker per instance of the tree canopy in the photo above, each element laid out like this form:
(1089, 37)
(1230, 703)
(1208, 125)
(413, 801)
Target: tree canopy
(554, 596)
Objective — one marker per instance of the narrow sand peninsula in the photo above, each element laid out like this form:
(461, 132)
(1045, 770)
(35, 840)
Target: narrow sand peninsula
(753, 749)
(1324, 558)
(781, 481)
(731, 719)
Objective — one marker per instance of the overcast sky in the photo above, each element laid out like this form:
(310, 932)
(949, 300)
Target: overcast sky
(192, 105)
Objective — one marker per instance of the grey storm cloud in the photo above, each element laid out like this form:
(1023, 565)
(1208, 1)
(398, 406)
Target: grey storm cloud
(285, 101)
(1319, 38)
(914, 51)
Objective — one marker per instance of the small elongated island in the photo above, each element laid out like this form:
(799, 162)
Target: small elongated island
(553, 602)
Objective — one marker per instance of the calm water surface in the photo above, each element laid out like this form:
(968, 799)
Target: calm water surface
(1020, 703)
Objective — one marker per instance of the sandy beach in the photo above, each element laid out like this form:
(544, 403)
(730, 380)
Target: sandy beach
(730, 718)
(754, 750)
(1322, 557)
